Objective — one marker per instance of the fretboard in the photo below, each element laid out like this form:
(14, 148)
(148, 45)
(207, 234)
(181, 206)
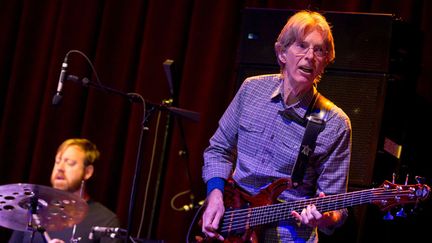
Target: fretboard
(240, 219)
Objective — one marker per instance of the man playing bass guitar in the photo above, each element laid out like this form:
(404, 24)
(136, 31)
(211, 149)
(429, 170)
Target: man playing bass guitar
(260, 135)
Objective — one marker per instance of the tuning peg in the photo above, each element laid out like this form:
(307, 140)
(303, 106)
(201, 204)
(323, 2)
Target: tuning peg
(406, 179)
(388, 216)
(420, 180)
(401, 213)
(394, 178)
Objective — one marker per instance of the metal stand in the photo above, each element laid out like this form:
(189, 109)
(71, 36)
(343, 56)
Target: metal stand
(33, 217)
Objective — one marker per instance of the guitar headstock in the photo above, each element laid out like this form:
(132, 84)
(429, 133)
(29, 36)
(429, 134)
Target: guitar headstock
(390, 195)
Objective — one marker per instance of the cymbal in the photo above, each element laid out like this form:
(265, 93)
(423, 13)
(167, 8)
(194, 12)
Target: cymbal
(23, 205)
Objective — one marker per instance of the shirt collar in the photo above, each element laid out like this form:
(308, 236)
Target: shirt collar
(302, 102)
(277, 92)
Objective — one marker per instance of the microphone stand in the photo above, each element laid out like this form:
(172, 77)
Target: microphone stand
(183, 153)
(33, 216)
(134, 97)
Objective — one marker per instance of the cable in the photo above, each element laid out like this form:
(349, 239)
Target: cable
(137, 164)
(149, 175)
(89, 62)
(183, 208)
(193, 222)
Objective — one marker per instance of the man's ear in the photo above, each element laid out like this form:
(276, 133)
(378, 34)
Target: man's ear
(280, 52)
(282, 57)
(88, 172)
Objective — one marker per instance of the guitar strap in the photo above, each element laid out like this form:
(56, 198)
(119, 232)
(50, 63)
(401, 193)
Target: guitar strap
(316, 118)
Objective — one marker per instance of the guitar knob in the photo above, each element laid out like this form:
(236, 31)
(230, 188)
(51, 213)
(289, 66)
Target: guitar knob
(388, 216)
(401, 213)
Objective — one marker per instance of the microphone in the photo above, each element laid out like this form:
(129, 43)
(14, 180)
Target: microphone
(111, 232)
(58, 96)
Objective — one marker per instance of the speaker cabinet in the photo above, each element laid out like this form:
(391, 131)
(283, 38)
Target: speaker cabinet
(362, 40)
(361, 96)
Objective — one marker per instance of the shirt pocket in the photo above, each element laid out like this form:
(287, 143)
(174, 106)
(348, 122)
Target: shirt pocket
(250, 137)
(285, 156)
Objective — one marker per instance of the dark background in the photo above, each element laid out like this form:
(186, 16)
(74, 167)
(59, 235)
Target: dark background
(128, 41)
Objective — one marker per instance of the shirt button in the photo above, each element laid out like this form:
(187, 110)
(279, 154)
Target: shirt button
(272, 137)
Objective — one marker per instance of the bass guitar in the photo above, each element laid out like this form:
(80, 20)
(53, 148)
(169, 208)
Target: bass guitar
(245, 213)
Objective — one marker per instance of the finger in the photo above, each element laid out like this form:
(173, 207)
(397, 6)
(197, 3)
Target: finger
(215, 235)
(207, 221)
(306, 215)
(216, 220)
(211, 232)
(296, 215)
(321, 194)
(219, 237)
(315, 213)
(308, 212)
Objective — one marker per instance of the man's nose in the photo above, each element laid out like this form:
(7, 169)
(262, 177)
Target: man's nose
(60, 165)
(310, 52)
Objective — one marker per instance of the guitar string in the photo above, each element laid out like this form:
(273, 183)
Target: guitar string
(243, 216)
(249, 217)
(267, 210)
(284, 216)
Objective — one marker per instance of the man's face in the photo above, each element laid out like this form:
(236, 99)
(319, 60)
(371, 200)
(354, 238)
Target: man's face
(69, 169)
(303, 62)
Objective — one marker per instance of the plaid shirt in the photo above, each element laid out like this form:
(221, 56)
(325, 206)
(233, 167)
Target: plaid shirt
(255, 145)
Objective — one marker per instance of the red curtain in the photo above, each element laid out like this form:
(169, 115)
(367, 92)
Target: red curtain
(127, 42)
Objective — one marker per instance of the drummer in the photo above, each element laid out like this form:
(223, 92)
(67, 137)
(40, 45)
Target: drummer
(72, 168)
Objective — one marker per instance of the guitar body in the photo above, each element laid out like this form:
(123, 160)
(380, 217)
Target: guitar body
(237, 198)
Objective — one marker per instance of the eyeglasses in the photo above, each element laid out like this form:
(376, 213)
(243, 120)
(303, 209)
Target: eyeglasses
(302, 47)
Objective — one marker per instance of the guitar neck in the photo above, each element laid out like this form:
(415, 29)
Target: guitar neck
(251, 217)
(282, 211)
(335, 202)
